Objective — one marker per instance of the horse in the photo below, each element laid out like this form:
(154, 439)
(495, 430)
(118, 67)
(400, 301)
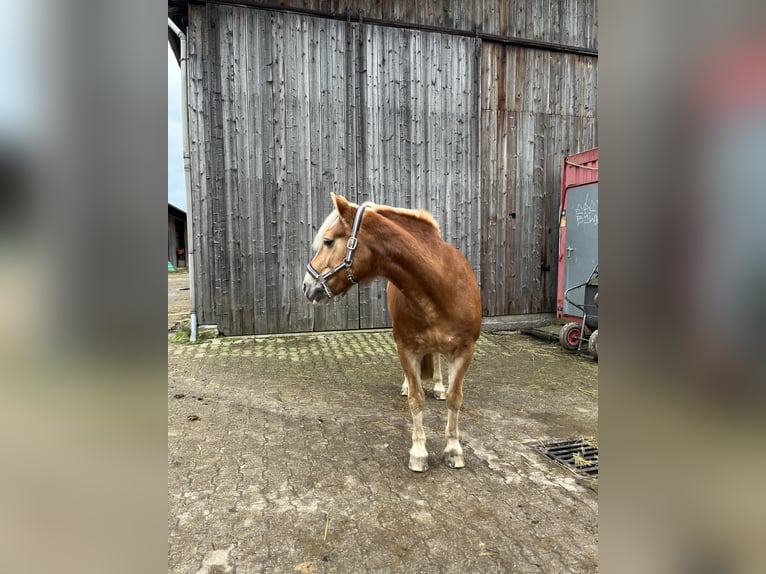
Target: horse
(432, 296)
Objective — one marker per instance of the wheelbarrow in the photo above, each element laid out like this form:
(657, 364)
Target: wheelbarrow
(573, 334)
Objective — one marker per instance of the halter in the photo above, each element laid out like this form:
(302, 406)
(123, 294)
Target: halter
(351, 245)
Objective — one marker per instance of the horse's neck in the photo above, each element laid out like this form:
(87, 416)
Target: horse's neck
(411, 261)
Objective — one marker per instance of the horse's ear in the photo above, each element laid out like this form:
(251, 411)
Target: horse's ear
(344, 209)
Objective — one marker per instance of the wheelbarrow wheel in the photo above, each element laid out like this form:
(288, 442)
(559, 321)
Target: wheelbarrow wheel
(569, 336)
(593, 344)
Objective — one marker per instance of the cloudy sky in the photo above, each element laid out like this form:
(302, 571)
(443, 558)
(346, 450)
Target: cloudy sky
(176, 189)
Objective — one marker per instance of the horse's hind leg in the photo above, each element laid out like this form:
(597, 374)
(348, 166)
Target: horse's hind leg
(453, 452)
(439, 390)
(440, 393)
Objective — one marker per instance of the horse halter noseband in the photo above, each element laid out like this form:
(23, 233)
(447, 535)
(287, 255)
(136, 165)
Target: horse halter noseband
(351, 245)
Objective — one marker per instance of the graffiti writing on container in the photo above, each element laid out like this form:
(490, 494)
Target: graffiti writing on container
(586, 213)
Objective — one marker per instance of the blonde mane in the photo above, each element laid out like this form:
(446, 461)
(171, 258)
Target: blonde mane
(328, 222)
(419, 214)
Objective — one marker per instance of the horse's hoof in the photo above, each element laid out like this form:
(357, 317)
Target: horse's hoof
(418, 464)
(440, 395)
(453, 460)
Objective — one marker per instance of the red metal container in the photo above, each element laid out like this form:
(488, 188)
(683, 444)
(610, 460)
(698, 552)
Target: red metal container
(579, 170)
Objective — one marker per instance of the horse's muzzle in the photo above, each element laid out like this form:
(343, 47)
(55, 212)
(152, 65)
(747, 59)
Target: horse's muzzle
(314, 291)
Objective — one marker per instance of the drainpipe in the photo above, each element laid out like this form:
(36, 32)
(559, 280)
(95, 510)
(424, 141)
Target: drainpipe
(187, 178)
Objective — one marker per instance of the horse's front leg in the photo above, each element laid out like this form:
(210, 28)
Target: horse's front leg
(416, 399)
(453, 452)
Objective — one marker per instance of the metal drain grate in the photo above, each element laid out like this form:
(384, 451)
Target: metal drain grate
(577, 454)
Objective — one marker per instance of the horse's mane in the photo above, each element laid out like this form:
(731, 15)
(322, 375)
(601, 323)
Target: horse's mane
(415, 214)
(328, 222)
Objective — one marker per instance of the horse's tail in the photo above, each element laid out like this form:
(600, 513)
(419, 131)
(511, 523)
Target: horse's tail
(427, 367)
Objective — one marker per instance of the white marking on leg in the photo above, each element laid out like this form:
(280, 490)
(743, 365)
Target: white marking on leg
(416, 399)
(405, 388)
(418, 452)
(440, 393)
(453, 452)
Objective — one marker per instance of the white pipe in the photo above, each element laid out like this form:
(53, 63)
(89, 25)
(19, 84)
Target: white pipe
(187, 177)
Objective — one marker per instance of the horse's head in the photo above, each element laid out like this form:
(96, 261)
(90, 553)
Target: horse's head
(340, 259)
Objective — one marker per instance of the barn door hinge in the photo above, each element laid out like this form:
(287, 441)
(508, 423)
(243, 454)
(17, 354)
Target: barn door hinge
(544, 267)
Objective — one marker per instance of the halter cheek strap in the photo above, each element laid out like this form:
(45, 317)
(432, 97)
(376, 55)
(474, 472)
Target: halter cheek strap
(351, 245)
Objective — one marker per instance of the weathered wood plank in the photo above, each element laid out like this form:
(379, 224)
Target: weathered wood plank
(218, 259)
(244, 76)
(195, 85)
(261, 126)
(230, 189)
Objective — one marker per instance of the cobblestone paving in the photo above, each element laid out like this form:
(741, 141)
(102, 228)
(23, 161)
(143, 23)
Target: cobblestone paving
(289, 454)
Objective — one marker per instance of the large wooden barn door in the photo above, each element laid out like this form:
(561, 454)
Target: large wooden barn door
(294, 107)
(285, 108)
(419, 141)
(537, 107)
(273, 127)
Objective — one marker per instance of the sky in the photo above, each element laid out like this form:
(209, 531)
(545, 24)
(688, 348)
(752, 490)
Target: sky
(176, 187)
(21, 107)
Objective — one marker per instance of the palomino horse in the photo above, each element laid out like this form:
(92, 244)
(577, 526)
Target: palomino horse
(432, 296)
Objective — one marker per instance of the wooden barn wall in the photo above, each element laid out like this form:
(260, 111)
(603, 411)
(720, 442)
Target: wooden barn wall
(285, 108)
(568, 22)
(536, 108)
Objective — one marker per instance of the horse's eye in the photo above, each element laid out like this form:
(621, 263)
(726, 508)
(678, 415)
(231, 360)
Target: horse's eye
(329, 242)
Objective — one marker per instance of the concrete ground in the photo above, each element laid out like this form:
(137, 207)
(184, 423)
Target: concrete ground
(289, 454)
